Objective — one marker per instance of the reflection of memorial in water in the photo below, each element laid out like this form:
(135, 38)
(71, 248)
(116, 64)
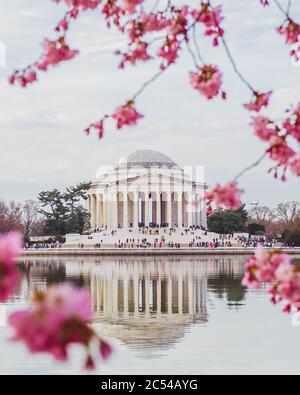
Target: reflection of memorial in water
(146, 302)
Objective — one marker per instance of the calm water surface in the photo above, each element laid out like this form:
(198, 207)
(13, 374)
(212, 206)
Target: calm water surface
(165, 316)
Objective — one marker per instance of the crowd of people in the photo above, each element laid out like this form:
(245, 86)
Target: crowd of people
(254, 242)
(42, 245)
(193, 237)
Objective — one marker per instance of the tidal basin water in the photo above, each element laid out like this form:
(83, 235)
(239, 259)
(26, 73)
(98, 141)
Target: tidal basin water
(164, 315)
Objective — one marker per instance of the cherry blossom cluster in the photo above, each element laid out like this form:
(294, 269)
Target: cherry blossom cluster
(279, 137)
(276, 269)
(125, 115)
(58, 318)
(227, 196)
(10, 245)
(289, 29)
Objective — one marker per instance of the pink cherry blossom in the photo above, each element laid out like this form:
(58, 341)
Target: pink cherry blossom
(138, 53)
(169, 51)
(126, 115)
(10, 246)
(292, 124)
(211, 18)
(178, 24)
(81, 4)
(263, 127)
(275, 268)
(99, 126)
(23, 78)
(55, 52)
(130, 5)
(207, 80)
(58, 318)
(259, 101)
(262, 267)
(280, 151)
(228, 196)
(291, 31)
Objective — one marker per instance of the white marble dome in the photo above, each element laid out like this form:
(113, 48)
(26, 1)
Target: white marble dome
(148, 158)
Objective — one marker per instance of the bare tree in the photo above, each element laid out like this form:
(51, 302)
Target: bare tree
(261, 214)
(287, 213)
(10, 216)
(30, 218)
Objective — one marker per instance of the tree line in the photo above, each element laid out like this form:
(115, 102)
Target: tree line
(281, 222)
(55, 213)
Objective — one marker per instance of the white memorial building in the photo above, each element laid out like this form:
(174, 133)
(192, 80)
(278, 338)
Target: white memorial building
(148, 189)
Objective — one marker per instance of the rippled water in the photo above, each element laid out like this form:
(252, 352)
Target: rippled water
(166, 316)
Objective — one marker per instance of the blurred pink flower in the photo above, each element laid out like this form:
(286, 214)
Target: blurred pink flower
(10, 246)
(228, 196)
(58, 318)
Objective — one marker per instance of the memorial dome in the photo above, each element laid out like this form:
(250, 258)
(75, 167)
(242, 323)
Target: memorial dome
(148, 158)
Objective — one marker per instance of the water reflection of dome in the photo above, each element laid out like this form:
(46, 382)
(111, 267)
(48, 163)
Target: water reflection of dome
(157, 336)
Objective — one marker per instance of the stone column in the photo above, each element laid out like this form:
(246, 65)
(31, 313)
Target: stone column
(158, 208)
(135, 210)
(104, 208)
(170, 295)
(179, 208)
(93, 211)
(146, 205)
(203, 215)
(191, 297)
(114, 210)
(136, 296)
(126, 308)
(158, 295)
(99, 221)
(180, 292)
(190, 209)
(125, 211)
(169, 208)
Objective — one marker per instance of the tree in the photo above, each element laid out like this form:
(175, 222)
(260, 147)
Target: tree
(30, 218)
(10, 217)
(63, 211)
(291, 234)
(261, 214)
(57, 215)
(286, 213)
(256, 229)
(228, 221)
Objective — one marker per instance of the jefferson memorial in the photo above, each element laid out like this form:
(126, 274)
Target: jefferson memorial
(148, 189)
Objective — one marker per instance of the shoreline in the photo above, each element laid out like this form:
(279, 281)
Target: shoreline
(78, 252)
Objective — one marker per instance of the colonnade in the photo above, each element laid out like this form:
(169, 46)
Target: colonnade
(163, 209)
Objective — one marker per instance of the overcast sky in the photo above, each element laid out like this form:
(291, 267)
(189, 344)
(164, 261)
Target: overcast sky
(42, 144)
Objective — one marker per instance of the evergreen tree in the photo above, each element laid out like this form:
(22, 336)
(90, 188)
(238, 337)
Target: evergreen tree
(228, 221)
(63, 211)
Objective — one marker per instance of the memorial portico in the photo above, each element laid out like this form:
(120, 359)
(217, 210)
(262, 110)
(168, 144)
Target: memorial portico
(148, 189)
